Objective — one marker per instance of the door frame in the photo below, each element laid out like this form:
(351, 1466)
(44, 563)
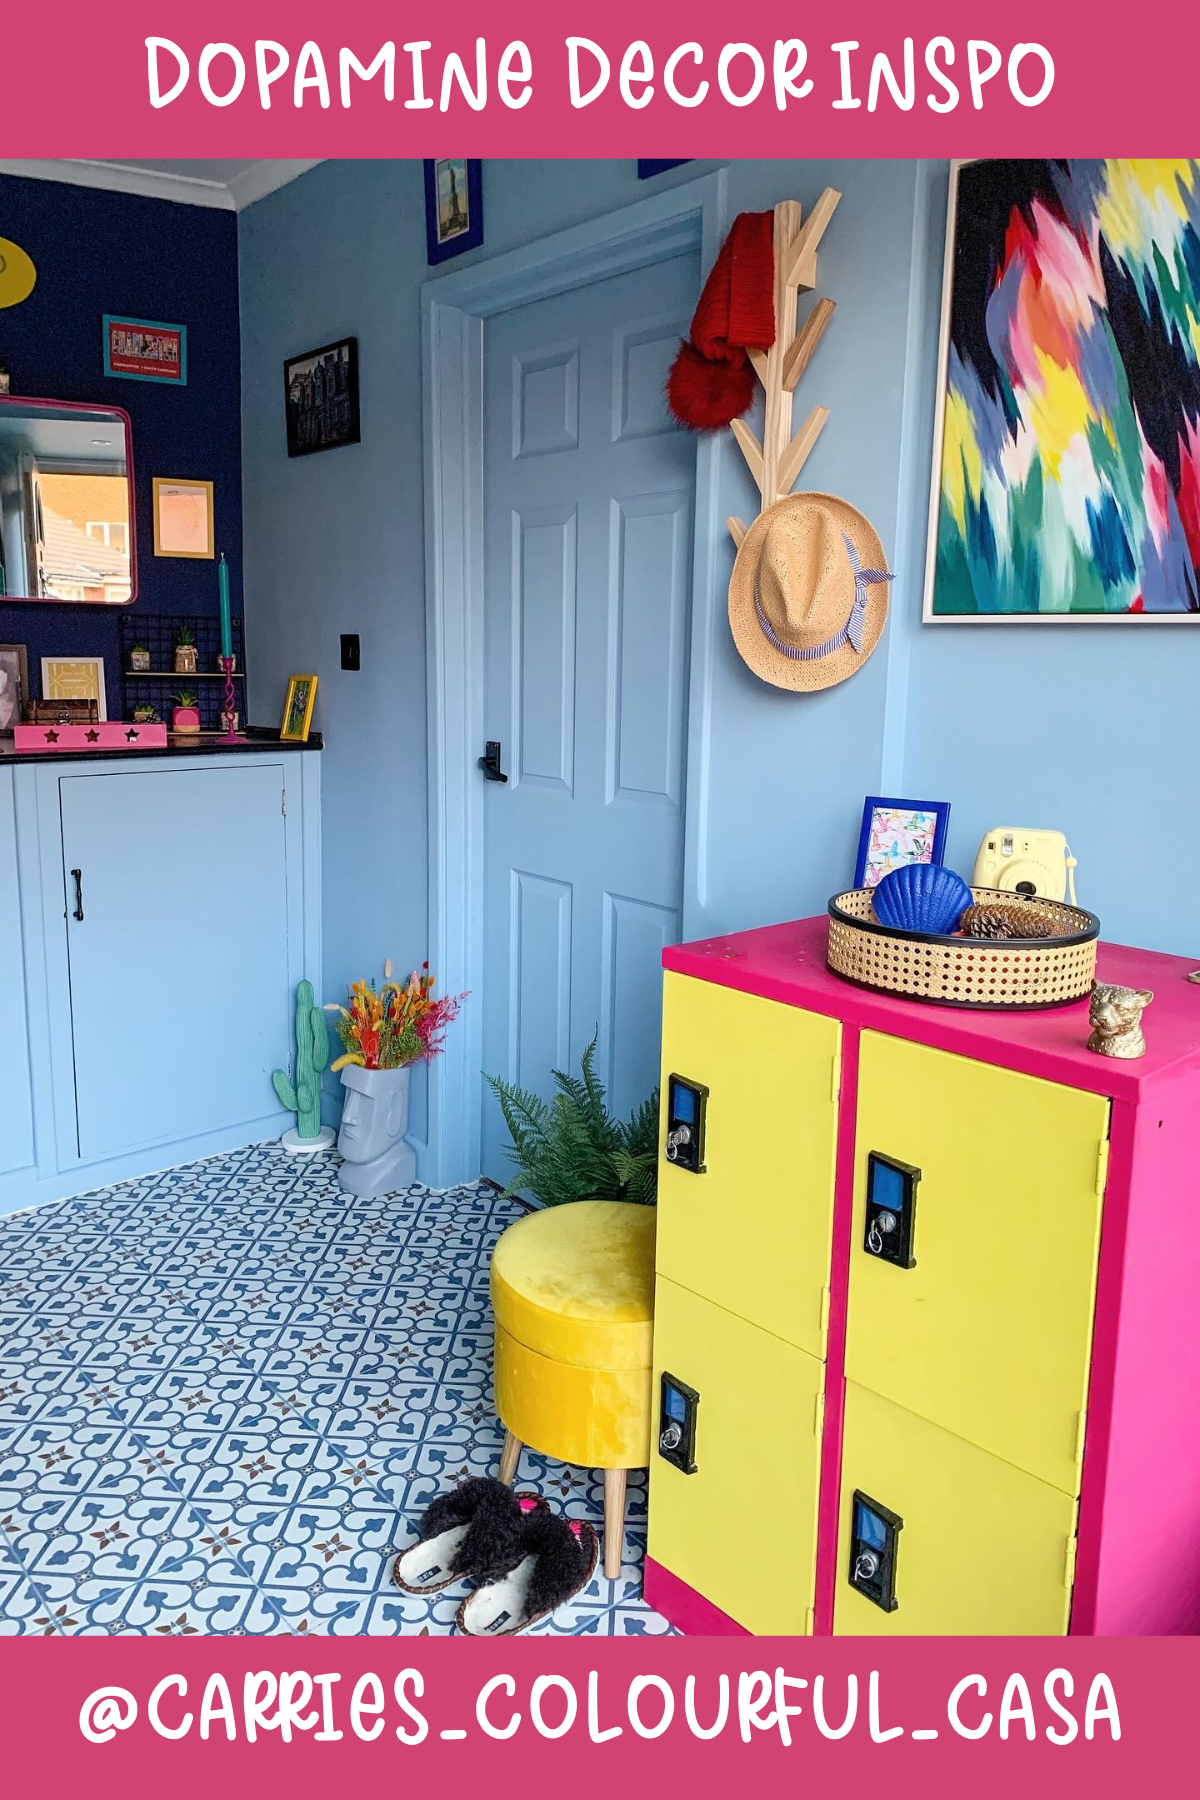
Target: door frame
(453, 310)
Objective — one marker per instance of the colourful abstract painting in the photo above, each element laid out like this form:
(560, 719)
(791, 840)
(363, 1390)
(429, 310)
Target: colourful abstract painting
(1068, 484)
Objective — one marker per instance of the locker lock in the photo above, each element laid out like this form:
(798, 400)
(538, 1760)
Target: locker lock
(677, 1423)
(684, 1142)
(874, 1543)
(891, 1210)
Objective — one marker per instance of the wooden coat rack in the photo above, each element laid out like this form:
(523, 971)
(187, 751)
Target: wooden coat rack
(776, 462)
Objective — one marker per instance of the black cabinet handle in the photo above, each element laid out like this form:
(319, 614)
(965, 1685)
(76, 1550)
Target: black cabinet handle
(489, 762)
(77, 875)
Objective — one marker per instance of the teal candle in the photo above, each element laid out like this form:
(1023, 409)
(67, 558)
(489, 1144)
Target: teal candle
(226, 624)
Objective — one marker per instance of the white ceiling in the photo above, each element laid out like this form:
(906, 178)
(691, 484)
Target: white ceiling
(227, 183)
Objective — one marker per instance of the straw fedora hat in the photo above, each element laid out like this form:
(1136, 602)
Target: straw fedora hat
(808, 596)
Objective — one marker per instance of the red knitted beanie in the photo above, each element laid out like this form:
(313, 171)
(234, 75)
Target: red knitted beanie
(711, 381)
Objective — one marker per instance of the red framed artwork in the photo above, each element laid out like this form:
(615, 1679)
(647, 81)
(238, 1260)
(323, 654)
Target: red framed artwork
(145, 350)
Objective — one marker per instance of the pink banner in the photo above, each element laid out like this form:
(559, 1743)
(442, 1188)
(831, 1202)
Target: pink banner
(204, 1715)
(864, 79)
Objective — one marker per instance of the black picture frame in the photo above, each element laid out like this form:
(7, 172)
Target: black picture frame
(652, 165)
(316, 419)
(442, 242)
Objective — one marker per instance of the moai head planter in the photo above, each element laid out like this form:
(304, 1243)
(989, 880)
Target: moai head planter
(1115, 1015)
(375, 1157)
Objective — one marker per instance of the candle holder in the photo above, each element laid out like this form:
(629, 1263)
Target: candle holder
(230, 735)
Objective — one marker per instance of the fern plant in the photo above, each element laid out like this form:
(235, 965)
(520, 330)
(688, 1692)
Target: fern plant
(572, 1148)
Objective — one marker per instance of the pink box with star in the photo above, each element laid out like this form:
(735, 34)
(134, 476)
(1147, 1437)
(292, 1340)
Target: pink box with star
(107, 734)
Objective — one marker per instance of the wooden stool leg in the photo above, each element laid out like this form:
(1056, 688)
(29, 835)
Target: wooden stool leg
(508, 1458)
(614, 1521)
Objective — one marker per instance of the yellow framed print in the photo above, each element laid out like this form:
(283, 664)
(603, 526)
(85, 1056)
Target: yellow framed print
(298, 708)
(183, 518)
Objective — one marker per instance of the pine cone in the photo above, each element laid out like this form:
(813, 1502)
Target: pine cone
(1001, 919)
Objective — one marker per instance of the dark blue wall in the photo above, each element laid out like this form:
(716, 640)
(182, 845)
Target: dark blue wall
(102, 253)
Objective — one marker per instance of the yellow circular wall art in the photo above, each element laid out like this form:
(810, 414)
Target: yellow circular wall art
(17, 273)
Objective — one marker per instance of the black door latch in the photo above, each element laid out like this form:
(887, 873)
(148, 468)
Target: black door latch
(489, 762)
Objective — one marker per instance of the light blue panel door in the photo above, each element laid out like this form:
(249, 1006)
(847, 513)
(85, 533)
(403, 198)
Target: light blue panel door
(589, 503)
(16, 1097)
(179, 980)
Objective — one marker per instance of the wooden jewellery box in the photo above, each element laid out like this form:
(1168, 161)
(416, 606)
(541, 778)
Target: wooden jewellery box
(927, 1315)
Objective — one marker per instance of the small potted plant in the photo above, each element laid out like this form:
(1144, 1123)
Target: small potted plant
(573, 1148)
(139, 657)
(186, 713)
(185, 651)
(145, 715)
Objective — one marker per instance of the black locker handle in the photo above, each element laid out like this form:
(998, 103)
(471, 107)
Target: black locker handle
(77, 877)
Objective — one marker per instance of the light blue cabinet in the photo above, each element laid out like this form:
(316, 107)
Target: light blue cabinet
(154, 985)
(16, 1093)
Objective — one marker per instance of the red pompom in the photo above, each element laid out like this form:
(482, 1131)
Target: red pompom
(706, 395)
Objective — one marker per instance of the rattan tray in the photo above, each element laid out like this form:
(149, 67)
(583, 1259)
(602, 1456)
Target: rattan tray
(1005, 973)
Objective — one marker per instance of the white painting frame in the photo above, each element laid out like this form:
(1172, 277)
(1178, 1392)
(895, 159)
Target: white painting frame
(56, 674)
(954, 620)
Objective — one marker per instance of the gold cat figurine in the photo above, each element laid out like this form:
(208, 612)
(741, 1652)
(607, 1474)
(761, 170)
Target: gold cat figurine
(1115, 1016)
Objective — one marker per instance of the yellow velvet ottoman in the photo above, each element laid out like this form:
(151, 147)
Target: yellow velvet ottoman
(573, 1294)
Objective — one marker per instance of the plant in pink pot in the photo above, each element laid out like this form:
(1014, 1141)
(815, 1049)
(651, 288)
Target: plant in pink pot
(186, 713)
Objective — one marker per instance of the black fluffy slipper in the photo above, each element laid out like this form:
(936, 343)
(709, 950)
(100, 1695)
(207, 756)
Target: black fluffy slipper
(558, 1559)
(476, 1530)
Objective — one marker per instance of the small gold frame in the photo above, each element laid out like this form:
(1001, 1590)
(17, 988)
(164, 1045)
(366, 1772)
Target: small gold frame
(167, 531)
(298, 708)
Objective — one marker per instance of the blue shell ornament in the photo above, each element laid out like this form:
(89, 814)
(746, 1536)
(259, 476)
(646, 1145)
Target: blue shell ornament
(921, 897)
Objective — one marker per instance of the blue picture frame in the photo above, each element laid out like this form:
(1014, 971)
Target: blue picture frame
(875, 803)
(108, 320)
(652, 165)
(450, 238)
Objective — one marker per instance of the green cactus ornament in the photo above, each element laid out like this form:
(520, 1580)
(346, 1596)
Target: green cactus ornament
(312, 1054)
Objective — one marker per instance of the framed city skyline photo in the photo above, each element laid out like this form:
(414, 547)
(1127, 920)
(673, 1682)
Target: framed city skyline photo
(453, 206)
(320, 396)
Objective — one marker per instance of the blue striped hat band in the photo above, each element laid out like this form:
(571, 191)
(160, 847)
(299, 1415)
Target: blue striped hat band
(851, 632)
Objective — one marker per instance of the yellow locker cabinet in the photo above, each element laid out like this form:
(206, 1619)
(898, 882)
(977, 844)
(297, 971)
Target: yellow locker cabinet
(978, 1547)
(752, 1232)
(988, 1332)
(926, 1306)
(750, 1440)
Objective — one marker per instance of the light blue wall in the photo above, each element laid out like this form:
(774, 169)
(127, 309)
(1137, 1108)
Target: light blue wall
(1078, 728)
(335, 542)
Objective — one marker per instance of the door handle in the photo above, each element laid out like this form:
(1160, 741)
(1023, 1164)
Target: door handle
(77, 877)
(489, 762)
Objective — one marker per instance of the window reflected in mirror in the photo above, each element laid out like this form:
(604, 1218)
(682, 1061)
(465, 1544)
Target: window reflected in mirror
(65, 491)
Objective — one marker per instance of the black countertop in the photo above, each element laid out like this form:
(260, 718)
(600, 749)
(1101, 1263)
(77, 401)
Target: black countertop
(259, 738)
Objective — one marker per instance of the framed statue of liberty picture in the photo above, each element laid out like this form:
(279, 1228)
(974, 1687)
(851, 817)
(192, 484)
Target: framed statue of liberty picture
(453, 206)
(1066, 467)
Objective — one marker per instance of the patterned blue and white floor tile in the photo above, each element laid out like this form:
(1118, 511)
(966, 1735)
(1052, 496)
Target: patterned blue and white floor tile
(227, 1392)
